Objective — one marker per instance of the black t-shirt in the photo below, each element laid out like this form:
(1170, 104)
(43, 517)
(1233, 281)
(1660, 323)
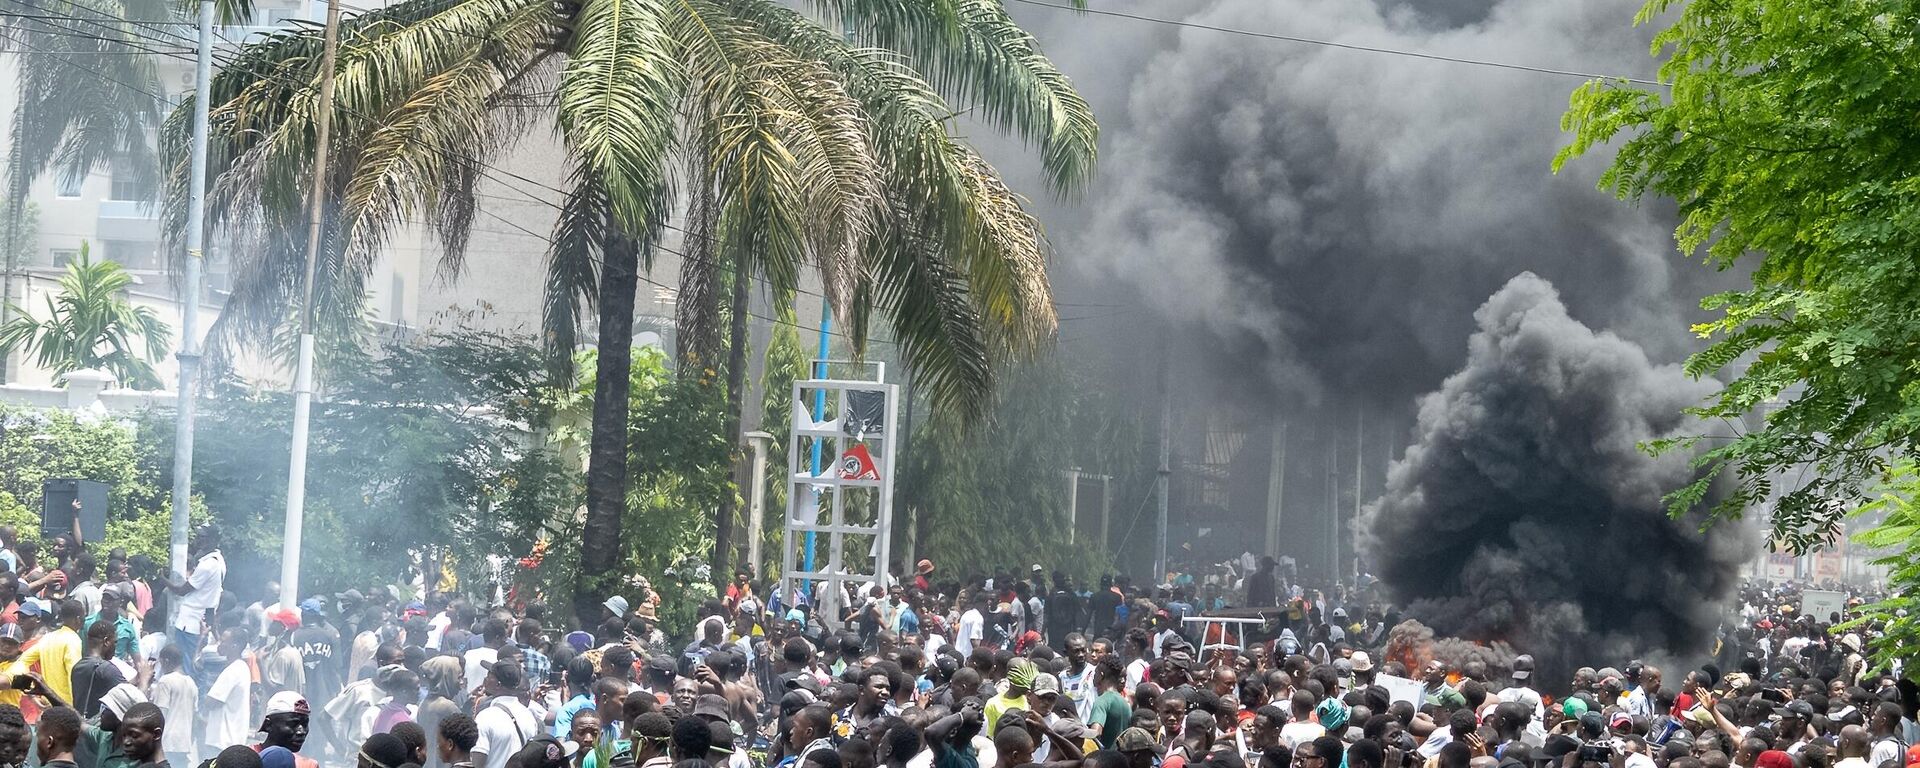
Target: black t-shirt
(1065, 615)
(1100, 609)
(320, 651)
(92, 678)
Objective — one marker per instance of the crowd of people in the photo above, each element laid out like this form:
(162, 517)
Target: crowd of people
(124, 668)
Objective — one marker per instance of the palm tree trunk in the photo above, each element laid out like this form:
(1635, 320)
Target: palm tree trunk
(736, 387)
(607, 453)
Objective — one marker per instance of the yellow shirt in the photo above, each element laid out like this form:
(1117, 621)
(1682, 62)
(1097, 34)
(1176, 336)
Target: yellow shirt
(54, 657)
(998, 706)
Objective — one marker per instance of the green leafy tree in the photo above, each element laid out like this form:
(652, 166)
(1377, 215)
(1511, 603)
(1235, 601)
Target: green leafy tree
(37, 444)
(676, 422)
(1783, 132)
(433, 447)
(92, 323)
(993, 494)
(793, 148)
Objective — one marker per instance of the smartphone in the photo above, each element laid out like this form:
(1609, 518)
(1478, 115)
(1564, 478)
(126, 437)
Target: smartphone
(21, 682)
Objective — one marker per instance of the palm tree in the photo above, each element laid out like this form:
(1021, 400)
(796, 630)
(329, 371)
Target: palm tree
(91, 324)
(86, 98)
(791, 148)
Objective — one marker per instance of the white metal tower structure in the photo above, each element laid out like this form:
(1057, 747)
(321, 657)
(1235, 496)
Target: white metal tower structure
(844, 511)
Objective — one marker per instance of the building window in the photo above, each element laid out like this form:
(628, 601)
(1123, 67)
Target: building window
(129, 186)
(67, 186)
(136, 255)
(64, 256)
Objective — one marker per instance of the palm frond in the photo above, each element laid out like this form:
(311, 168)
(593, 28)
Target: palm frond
(579, 237)
(974, 50)
(618, 98)
(86, 96)
(787, 147)
(926, 302)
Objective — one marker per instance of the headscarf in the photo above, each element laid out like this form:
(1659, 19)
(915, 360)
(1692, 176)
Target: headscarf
(1773, 758)
(444, 676)
(1021, 672)
(1332, 715)
(120, 698)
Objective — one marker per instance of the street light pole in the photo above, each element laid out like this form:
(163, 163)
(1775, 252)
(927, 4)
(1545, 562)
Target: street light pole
(189, 355)
(303, 370)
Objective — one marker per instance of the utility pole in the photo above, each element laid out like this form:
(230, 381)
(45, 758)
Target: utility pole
(1359, 476)
(1166, 470)
(189, 355)
(1276, 489)
(303, 371)
(1333, 504)
(757, 516)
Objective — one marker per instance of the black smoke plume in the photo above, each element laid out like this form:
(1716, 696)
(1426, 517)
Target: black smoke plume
(1320, 223)
(1524, 511)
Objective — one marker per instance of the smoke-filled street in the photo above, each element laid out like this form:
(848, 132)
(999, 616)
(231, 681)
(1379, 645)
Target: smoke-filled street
(959, 384)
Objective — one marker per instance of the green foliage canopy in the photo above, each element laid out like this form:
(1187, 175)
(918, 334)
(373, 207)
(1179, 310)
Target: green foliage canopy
(1787, 138)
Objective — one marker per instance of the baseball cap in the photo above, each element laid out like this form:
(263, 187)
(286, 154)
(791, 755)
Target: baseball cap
(287, 703)
(11, 631)
(286, 618)
(801, 681)
(924, 566)
(1798, 707)
(1045, 682)
(1574, 707)
(711, 705)
(1558, 745)
(662, 663)
(1136, 740)
(545, 752)
(580, 640)
(34, 606)
(1362, 662)
(508, 675)
(313, 605)
(617, 604)
(350, 595)
(1522, 667)
(1037, 568)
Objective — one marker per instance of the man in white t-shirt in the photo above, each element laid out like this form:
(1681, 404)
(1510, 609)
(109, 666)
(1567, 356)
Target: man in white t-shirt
(197, 594)
(1520, 691)
(972, 627)
(437, 627)
(505, 723)
(229, 700)
(493, 635)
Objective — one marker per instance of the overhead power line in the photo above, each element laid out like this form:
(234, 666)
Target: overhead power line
(1347, 46)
